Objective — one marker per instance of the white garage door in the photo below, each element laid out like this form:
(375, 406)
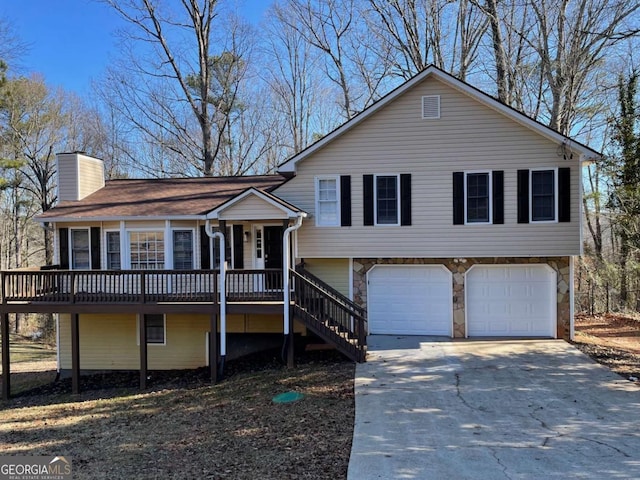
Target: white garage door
(511, 301)
(409, 300)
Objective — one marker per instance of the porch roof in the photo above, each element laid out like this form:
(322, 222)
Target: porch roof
(158, 198)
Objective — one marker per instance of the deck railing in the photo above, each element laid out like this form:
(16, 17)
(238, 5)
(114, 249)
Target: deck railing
(254, 285)
(330, 314)
(137, 286)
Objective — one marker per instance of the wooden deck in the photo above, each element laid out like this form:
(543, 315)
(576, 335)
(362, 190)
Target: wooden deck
(149, 291)
(326, 312)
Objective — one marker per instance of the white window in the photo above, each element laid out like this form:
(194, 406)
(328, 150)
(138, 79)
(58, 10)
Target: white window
(183, 250)
(387, 200)
(114, 260)
(146, 250)
(80, 250)
(327, 201)
(477, 187)
(544, 195)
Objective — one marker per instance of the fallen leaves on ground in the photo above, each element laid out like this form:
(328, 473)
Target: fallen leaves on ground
(185, 428)
(611, 339)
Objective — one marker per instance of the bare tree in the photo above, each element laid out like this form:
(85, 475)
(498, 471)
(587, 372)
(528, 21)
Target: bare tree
(417, 33)
(33, 120)
(291, 76)
(12, 47)
(571, 38)
(180, 58)
(336, 29)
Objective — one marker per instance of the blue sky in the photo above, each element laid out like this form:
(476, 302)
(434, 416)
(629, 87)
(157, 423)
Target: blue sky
(71, 41)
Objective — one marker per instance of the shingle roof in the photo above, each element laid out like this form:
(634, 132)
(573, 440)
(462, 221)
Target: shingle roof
(165, 198)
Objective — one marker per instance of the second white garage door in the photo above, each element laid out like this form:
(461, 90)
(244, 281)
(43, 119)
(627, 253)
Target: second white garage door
(511, 301)
(410, 300)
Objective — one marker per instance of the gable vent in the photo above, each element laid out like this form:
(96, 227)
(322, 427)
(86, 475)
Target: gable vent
(430, 107)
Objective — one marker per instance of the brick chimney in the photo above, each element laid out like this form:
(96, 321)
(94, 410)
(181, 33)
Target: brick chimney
(79, 175)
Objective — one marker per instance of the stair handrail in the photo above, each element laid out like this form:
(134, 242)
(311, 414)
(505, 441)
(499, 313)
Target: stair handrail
(357, 313)
(321, 285)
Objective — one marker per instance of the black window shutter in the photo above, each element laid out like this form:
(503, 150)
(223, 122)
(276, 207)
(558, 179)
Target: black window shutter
(405, 199)
(205, 251)
(458, 198)
(345, 200)
(367, 188)
(95, 248)
(64, 248)
(523, 196)
(238, 247)
(564, 194)
(498, 196)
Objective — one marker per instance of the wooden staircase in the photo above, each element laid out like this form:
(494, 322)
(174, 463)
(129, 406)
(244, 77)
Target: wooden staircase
(329, 314)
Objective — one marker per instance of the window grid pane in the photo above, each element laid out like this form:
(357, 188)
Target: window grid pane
(80, 255)
(327, 201)
(182, 250)
(113, 251)
(155, 328)
(477, 197)
(387, 200)
(147, 250)
(543, 195)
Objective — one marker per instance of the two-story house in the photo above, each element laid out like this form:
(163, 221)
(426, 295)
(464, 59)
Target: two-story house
(436, 211)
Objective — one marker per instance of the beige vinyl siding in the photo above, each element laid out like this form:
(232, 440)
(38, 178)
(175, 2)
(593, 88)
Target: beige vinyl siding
(395, 140)
(78, 176)
(334, 271)
(91, 174)
(252, 208)
(110, 342)
(67, 177)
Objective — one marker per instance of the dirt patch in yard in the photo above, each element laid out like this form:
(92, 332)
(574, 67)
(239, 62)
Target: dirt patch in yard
(185, 428)
(611, 339)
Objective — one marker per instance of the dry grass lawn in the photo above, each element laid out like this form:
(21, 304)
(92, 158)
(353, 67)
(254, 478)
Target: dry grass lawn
(189, 429)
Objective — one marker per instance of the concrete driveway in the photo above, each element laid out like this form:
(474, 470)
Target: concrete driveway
(513, 409)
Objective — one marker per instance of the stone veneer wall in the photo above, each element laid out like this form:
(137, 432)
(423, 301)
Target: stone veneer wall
(458, 268)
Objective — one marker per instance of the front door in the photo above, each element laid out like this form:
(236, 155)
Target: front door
(273, 255)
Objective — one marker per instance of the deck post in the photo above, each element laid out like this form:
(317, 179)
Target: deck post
(142, 325)
(6, 371)
(75, 353)
(213, 347)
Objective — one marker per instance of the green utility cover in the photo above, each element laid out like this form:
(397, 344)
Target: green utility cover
(287, 397)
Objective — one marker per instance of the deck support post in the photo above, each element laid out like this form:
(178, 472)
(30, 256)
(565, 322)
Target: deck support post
(6, 371)
(142, 325)
(75, 353)
(213, 347)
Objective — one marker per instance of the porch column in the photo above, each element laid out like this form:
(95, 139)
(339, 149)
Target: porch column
(213, 347)
(75, 353)
(142, 328)
(6, 371)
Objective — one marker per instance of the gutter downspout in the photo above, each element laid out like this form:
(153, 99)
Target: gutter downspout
(572, 299)
(223, 293)
(286, 266)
